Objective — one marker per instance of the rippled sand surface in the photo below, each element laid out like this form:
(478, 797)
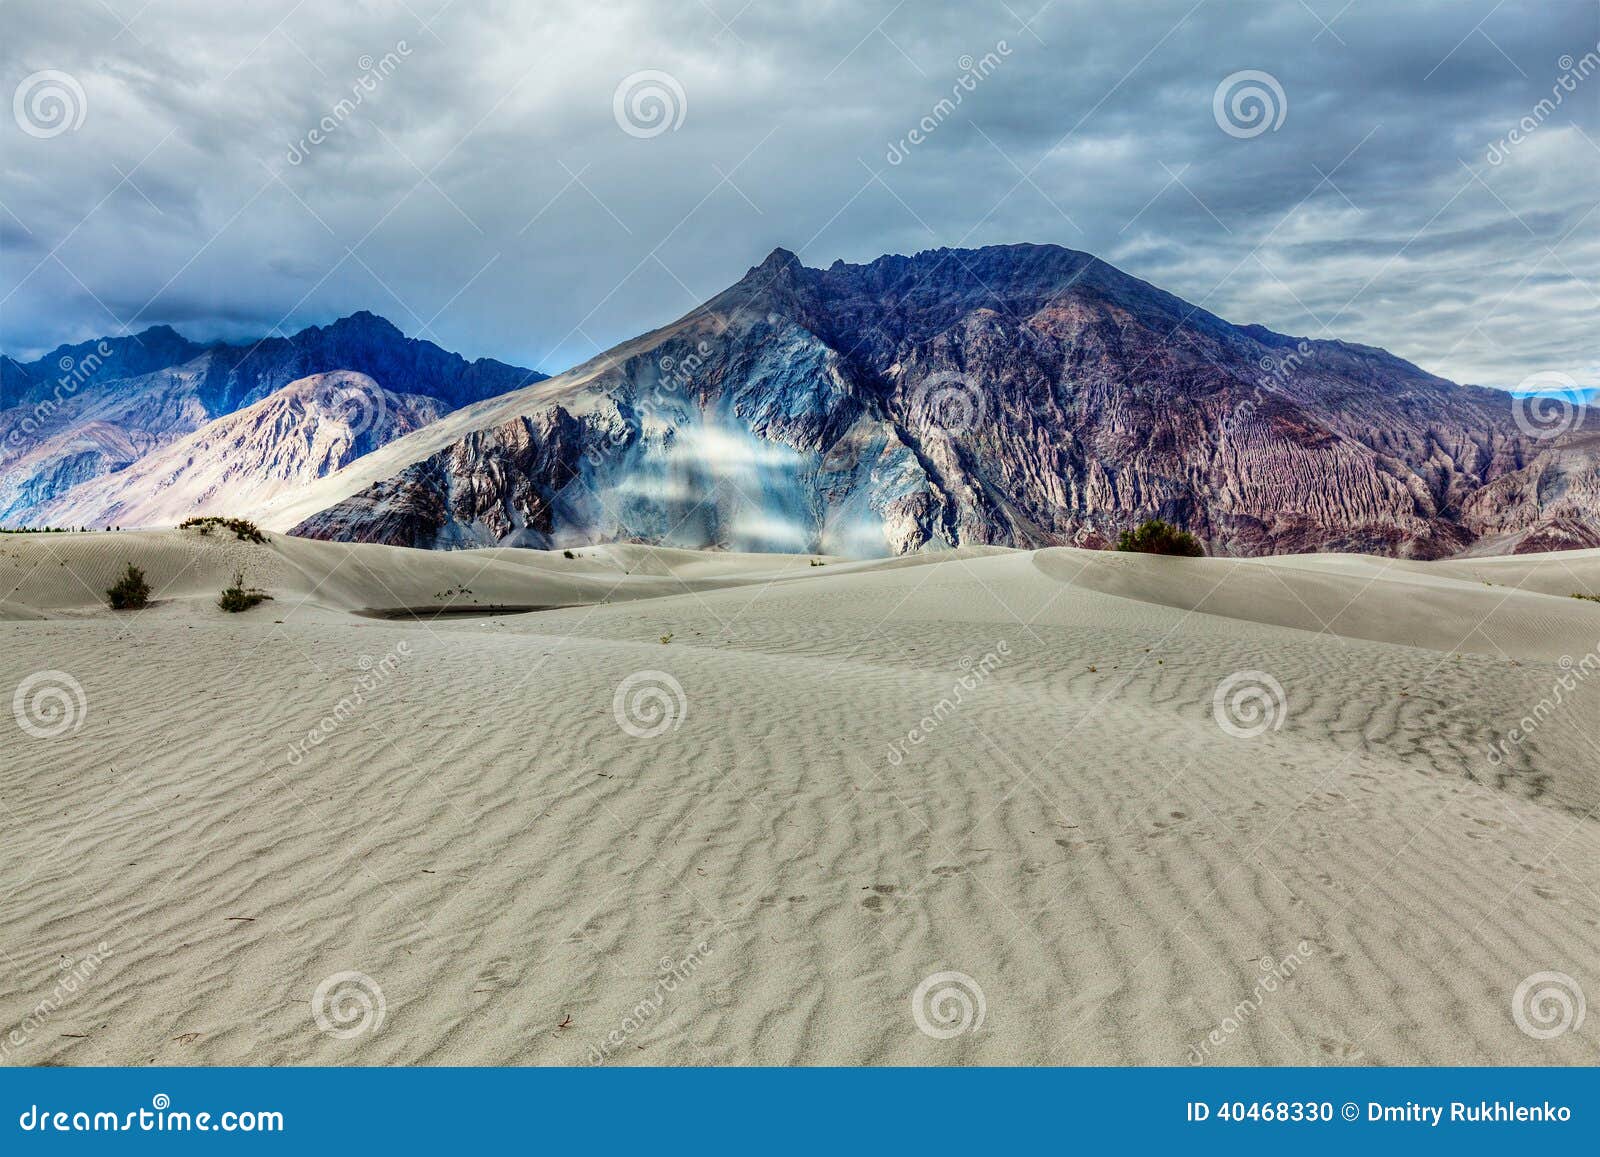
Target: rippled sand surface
(999, 807)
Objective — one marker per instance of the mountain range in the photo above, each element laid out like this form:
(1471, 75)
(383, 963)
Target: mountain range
(75, 423)
(1018, 395)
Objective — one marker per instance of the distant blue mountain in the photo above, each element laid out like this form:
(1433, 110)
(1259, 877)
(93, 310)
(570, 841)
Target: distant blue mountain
(95, 408)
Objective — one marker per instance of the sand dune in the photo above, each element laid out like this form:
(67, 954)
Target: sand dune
(829, 785)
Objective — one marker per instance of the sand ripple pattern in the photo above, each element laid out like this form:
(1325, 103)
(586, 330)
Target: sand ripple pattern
(501, 873)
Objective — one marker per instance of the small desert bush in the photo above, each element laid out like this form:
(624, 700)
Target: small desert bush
(1157, 537)
(243, 529)
(239, 597)
(1587, 598)
(131, 592)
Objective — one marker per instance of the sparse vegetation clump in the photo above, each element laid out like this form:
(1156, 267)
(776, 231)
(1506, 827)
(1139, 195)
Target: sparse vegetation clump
(239, 597)
(1157, 537)
(1586, 598)
(243, 529)
(131, 592)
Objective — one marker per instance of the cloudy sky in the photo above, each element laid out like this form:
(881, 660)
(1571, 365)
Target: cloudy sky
(538, 180)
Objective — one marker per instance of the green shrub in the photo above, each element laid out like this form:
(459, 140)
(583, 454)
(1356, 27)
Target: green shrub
(131, 592)
(243, 529)
(239, 597)
(1157, 537)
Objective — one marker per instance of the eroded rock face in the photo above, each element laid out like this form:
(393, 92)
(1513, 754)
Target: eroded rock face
(1551, 503)
(1015, 395)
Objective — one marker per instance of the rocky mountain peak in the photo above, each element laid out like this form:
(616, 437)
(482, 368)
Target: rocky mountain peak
(1012, 395)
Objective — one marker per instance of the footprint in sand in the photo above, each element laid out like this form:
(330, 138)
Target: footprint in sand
(878, 901)
(1340, 1050)
(495, 974)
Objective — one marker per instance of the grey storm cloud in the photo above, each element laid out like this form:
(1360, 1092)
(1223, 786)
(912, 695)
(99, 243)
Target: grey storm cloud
(472, 171)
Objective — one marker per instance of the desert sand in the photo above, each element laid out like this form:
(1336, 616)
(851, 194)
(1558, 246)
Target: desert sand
(820, 787)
